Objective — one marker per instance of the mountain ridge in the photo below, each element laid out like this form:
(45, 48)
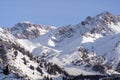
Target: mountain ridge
(89, 48)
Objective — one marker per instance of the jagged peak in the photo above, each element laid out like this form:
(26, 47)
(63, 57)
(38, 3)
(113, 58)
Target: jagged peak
(105, 13)
(23, 25)
(80, 48)
(28, 24)
(108, 17)
(105, 23)
(100, 17)
(27, 29)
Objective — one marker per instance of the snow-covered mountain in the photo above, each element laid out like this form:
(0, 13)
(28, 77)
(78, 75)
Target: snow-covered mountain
(27, 30)
(36, 51)
(17, 63)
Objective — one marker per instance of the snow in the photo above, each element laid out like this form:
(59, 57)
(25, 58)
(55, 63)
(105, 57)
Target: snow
(24, 69)
(112, 72)
(51, 43)
(78, 71)
(63, 49)
(26, 44)
(65, 53)
(87, 39)
(1, 29)
(53, 27)
(115, 28)
(6, 36)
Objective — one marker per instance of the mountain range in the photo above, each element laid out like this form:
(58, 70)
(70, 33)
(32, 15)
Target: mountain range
(38, 52)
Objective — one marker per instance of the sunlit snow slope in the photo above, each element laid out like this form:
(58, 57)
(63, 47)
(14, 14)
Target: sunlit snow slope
(94, 41)
(90, 47)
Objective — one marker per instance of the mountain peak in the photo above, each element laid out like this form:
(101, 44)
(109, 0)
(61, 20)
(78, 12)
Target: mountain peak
(108, 17)
(106, 13)
(23, 25)
(88, 48)
(27, 30)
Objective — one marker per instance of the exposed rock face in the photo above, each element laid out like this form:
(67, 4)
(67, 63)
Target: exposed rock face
(37, 52)
(28, 30)
(18, 63)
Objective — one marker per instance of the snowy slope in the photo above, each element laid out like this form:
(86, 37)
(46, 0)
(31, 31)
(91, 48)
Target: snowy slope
(26, 29)
(97, 36)
(89, 48)
(21, 63)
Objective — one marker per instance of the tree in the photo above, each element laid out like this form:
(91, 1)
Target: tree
(25, 62)
(15, 53)
(99, 68)
(39, 70)
(31, 67)
(6, 70)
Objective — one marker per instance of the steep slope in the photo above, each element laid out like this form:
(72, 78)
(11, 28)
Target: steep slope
(21, 63)
(90, 43)
(89, 48)
(28, 30)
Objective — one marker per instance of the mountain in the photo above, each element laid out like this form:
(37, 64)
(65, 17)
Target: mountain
(21, 63)
(37, 52)
(27, 30)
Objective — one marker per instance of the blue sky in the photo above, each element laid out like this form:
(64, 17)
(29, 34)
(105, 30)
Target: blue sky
(53, 12)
